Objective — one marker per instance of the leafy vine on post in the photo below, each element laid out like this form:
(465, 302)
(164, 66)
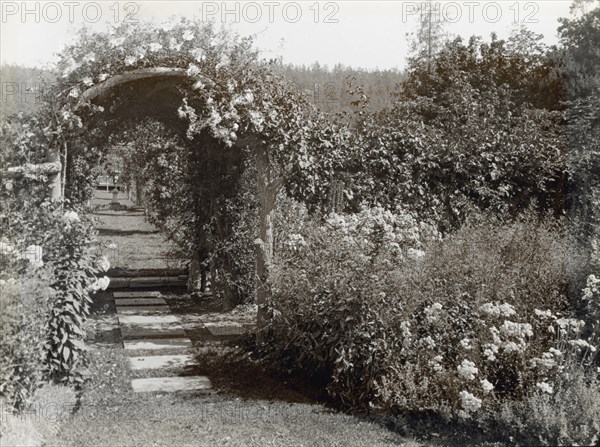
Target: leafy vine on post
(267, 191)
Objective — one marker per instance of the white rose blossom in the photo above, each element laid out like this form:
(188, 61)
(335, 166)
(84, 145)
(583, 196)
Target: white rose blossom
(198, 54)
(174, 44)
(467, 369)
(100, 284)
(71, 217)
(486, 385)
(103, 264)
(469, 402)
(545, 387)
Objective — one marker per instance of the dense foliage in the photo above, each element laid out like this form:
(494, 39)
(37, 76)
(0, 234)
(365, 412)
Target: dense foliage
(473, 321)
(49, 269)
(494, 144)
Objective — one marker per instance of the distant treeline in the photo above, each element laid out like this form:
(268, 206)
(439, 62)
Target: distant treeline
(21, 88)
(328, 87)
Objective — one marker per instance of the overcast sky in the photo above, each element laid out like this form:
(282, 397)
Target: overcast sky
(361, 34)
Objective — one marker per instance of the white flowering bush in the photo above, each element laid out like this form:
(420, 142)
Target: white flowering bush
(45, 288)
(332, 296)
(475, 320)
(488, 320)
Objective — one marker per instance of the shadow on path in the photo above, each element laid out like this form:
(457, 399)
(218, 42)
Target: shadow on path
(113, 232)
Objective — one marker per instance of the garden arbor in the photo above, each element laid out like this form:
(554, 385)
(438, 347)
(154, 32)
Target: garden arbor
(157, 92)
(209, 87)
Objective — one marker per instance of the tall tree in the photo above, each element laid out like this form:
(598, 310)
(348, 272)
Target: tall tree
(430, 35)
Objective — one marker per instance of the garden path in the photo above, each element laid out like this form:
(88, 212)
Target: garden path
(167, 369)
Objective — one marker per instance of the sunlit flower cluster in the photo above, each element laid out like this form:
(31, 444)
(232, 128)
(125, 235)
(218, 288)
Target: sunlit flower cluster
(487, 386)
(498, 310)
(469, 402)
(467, 370)
(433, 312)
(103, 263)
(545, 387)
(100, 284)
(296, 242)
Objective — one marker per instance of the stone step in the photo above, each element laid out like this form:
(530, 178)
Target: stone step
(147, 294)
(140, 302)
(171, 384)
(158, 281)
(148, 320)
(119, 282)
(160, 361)
(227, 328)
(142, 310)
(157, 343)
(136, 332)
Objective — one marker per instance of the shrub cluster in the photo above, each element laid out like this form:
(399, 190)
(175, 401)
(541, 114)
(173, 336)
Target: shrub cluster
(45, 297)
(392, 316)
(25, 305)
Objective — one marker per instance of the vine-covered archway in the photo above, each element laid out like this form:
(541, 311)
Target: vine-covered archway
(209, 86)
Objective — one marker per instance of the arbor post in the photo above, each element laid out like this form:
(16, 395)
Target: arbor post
(267, 194)
(194, 273)
(52, 156)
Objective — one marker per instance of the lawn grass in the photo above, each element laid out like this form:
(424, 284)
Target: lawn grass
(111, 414)
(250, 405)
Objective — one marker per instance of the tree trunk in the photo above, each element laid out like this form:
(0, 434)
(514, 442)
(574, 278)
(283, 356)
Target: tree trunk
(267, 193)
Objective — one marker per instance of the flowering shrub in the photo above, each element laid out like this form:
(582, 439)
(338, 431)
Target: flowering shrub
(564, 413)
(46, 289)
(392, 316)
(25, 304)
(331, 303)
(77, 269)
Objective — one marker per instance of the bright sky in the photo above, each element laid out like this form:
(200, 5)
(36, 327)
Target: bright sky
(365, 34)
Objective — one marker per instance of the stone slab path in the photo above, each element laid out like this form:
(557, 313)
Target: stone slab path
(140, 302)
(171, 384)
(149, 320)
(135, 332)
(146, 323)
(161, 361)
(148, 294)
(149, 344)
(142, 310)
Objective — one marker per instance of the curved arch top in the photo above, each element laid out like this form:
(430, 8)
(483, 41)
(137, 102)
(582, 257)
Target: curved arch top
(136, 75)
